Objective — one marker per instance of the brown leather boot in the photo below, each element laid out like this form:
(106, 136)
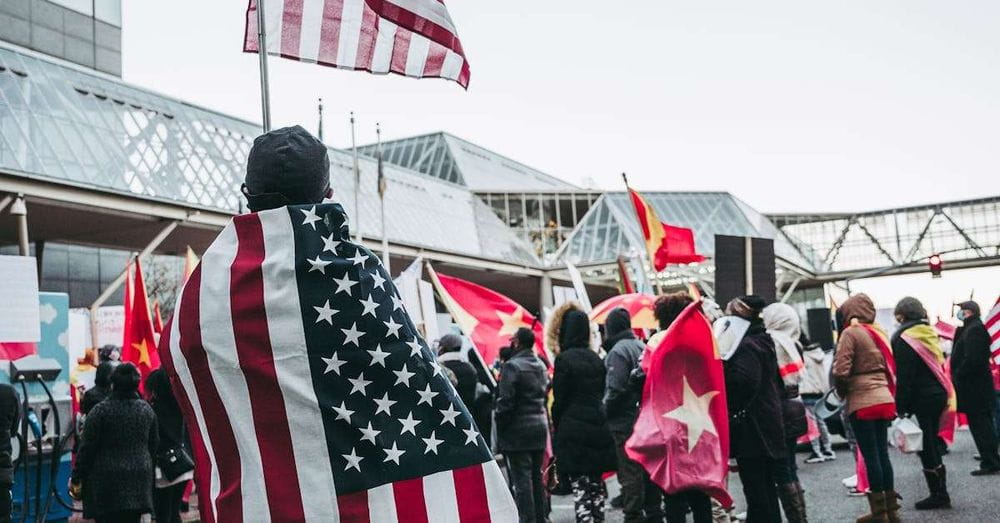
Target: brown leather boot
(876, 501)
(892, 506)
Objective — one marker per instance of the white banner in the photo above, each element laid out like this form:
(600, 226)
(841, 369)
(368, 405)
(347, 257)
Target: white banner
(19, 306)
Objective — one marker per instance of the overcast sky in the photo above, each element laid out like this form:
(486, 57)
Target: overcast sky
(791, 106)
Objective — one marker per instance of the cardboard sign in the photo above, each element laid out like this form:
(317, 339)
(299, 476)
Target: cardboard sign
(19, 308)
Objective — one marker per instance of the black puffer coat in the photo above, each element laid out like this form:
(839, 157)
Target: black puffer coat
(115, 462)
(621, 398)
(754, 392)
(582, 441)
(522, 423)
(970, 368)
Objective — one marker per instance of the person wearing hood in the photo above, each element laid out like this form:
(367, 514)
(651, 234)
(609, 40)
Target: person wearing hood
(970, 370)
(754, 393)
(582, 444)
(922, 391)
(640, 497)
(522, 424)
(814, 385)
(864, 376)
(783, 324)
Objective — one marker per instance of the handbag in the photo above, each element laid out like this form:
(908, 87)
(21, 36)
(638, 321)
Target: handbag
(906, 435)
(174, 462)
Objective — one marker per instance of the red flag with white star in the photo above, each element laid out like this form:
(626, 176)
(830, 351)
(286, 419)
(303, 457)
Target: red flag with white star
(681, 436)
(140, 342)
(489, 318)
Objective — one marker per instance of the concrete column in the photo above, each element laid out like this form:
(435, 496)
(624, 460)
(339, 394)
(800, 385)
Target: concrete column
(545, 300)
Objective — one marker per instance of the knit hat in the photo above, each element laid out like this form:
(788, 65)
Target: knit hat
(286, 166)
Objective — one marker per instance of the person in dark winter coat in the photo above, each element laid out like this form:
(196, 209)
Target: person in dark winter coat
(970, 371)
(115, 462)
(101, 388)
(582, 444)
(450, 357)
(641, 499)
(168, 493)
(522, 424)
(9, 417)
(920, 393)
(756, 428)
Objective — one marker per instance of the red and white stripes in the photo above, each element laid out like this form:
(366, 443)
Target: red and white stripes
(236, 353)
(410, 37)
(992, 322)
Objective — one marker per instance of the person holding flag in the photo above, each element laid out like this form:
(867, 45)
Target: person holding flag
(306, 389)
(924, 391)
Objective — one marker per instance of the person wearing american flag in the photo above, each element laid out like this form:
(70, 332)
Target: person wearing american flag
(308, 392)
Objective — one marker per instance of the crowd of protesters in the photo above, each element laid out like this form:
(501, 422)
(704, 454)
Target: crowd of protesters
(780, 387)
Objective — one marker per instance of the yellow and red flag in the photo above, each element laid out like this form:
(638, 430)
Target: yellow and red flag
(665, 243)
(139, 348)
(487, 317)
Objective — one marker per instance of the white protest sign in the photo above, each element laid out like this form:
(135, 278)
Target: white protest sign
(19, 307)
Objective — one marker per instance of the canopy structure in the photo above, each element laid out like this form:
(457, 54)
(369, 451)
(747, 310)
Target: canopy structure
(450, 158)
(66, 128)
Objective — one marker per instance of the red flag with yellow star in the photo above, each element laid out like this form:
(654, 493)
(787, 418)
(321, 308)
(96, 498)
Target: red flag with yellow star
(681, 436)
(489, 318)
(140, 343)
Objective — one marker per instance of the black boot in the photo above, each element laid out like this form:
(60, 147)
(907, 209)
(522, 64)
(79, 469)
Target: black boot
(938, 484)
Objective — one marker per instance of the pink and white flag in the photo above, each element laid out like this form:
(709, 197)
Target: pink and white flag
(415, 38)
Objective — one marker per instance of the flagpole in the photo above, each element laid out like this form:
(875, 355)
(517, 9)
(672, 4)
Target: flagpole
(649, 257)
(265, 90)
(381, 199)
(357, 185)
(320, 134)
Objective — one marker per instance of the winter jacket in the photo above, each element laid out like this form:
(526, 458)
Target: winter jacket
(815, 375)
(9, 416)
(582, 441)
(859, 369)
(753, 395)
(621, 397)
(918, 391)
(521, 420)
(115, 462)
(970, 368)
(465, 374)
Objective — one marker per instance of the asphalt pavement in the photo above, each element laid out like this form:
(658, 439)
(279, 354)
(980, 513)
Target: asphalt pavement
(974, 499)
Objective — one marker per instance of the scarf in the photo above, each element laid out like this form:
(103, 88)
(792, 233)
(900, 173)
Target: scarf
(927, 336)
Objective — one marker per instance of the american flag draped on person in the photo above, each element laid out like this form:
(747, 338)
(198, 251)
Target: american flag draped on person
(307, 391)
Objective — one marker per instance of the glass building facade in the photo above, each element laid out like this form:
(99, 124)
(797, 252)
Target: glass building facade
(543, 219)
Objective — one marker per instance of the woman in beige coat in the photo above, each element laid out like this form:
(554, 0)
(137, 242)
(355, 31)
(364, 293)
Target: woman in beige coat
(864, 375)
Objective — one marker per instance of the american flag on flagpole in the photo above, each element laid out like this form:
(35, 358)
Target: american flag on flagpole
(308, 392)
(415, 38)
